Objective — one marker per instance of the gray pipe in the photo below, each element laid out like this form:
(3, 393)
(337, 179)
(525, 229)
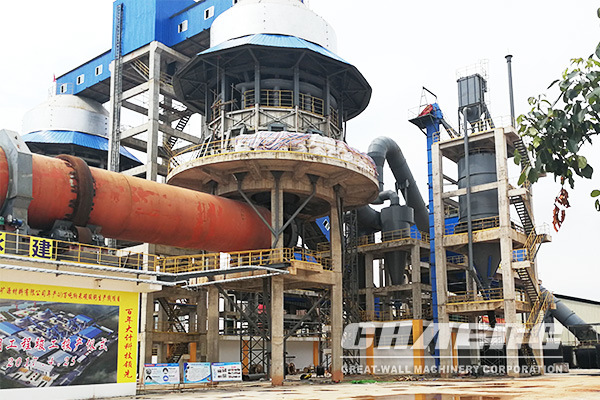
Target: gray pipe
(572, 321)
(510, 89)
(390, 195)
(369, 220)
(384, 148)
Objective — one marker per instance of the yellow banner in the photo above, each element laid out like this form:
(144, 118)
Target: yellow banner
(92, 322)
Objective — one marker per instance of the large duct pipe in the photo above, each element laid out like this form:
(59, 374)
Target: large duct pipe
(577, 326)
(384, 148)
(135, 209)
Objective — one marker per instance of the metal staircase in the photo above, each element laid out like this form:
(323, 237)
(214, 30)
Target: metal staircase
(175, 325)
(172, 315)
(179, 349)
(352, 310)
(540, 301)
(524, 213)
(538, 311)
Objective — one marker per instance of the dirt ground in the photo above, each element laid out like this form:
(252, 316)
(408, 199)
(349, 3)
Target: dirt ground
(584, 384)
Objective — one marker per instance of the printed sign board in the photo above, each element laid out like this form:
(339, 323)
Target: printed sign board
(161, 374)
(197, 373)
(62, 336)
(226, 372)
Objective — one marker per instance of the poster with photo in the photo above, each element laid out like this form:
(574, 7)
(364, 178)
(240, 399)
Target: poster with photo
(226, 372)
(161, 374)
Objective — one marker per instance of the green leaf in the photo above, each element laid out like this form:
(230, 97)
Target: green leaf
(598, 13)
(595, 193)
(517, 157)
(533, 175)
(522, 178)
(581, 162)
(598, 50)
(587, 172)
(553, 83)
(572, 93)
(572, 146)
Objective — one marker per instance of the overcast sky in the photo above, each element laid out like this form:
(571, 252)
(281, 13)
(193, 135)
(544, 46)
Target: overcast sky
(399, 46)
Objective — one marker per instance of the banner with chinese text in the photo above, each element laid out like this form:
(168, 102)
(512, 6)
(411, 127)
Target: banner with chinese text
(61, 336)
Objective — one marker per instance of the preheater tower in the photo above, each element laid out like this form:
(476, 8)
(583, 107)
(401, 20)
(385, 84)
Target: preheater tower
(276, 97)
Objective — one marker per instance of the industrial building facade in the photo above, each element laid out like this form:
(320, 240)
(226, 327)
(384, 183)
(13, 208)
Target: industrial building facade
(249, 238)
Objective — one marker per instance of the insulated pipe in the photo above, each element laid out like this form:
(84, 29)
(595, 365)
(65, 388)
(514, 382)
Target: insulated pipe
(384, 148)
(577, 326)
(135, 209)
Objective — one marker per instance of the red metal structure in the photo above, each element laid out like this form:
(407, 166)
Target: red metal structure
(135, 209)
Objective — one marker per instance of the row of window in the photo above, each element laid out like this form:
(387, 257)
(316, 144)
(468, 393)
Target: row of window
(208, 13)
(182, 27)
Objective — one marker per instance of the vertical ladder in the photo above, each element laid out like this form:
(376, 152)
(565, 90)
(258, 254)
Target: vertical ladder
(117, 75)
(352, 308)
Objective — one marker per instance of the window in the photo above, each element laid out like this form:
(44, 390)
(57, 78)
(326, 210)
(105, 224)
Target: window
(63, 88)
(80, 79)
(98, 70)
(209, 12)
(182, 27)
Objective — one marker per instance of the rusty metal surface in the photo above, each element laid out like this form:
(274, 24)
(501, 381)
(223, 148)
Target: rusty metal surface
(135, 209)
(82, 206)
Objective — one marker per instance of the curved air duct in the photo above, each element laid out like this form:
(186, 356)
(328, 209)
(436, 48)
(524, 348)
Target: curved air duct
(577, 326)
(135, 209)
(384, 148)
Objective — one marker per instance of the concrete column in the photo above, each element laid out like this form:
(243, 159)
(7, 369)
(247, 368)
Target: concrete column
(153, 112)
(337, 300)
(417, 292)
(441, 286)
(212, 335)
(201, 315)
(277, 347)
(369, 297)
(146, 330)
(508, 278)
(277, 287)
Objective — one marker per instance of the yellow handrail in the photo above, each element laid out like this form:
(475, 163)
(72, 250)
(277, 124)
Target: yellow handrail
(39, 248)
(392, 236)
(265, 257)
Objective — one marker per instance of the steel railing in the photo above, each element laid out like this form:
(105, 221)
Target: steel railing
(284, 99)
(483, 296)
(39, 248)
(215, 261)
(393, 236)
(459, 228)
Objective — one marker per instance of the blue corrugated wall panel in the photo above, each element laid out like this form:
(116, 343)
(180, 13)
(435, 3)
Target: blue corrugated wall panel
(145, 21)
(88, 70)
(139, 22)
(196, 21)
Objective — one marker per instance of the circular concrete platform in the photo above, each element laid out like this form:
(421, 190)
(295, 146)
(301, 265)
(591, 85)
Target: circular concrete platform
(354, 175)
